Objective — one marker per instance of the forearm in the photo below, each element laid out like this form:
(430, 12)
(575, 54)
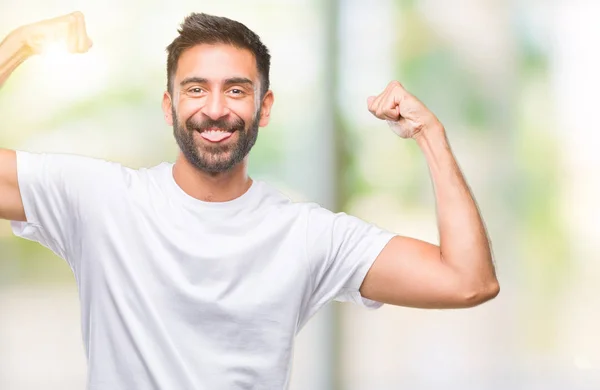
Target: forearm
(463, 239)
(12, 53)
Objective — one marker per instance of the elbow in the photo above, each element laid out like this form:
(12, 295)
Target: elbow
(482, 293)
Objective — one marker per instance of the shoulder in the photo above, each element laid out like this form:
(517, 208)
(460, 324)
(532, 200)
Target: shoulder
(92, 175)
(65, 170)
(287, 200)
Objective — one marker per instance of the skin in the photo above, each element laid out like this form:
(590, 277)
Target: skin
(408, 272)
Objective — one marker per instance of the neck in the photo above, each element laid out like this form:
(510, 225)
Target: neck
(210, 187)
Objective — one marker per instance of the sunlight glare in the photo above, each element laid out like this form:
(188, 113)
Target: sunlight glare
(55, 52)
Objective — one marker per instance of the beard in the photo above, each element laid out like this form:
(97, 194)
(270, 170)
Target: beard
(215, 158)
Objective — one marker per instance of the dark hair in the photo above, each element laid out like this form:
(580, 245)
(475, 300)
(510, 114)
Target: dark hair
(201, 28)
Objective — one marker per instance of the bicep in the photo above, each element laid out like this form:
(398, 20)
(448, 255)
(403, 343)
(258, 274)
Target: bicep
(411, 272)
(11, 203)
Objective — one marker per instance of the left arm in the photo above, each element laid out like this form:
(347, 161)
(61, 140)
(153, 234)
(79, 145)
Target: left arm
(409, 272)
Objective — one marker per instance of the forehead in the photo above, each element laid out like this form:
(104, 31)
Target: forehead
(216, 62)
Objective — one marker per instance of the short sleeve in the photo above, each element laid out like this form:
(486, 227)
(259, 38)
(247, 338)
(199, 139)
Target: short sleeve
(341, 250)
(56, 190)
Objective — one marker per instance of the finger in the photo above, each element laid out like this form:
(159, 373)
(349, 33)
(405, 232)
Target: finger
(374, 108)
(378, 105)
(81, 34)
(72, 34)
(391, 114)
(385, 106)
(370, 101)
(397, 98)
(373, 102)
(392, 109)
(386, 100)
(86, 38)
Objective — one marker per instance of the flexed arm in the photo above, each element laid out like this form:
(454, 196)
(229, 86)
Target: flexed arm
(19, 45)
(409, 272)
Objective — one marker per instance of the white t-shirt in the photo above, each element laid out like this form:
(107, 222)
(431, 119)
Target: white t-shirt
(177, 293)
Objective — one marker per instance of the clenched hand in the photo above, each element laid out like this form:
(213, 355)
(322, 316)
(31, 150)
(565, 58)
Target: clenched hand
(69, 29)
(404, 113)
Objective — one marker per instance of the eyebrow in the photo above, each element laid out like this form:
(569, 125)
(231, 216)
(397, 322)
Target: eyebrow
(229, 81)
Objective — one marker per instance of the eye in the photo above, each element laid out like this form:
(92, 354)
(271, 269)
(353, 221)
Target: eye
(236, 92)
(195, 90)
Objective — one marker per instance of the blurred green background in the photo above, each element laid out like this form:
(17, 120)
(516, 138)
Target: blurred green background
(514, 84)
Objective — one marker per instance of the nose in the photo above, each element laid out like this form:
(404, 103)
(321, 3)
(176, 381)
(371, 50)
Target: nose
(215, 107)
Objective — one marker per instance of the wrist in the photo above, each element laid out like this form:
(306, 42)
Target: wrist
(430, 134)
(17, 40)
(16, 43)
(435, 147)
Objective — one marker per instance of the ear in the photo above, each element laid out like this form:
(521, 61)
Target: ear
(167, 107)
(267, 103)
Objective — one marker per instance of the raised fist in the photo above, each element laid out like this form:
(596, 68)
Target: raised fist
(404, 113)
(68, 29)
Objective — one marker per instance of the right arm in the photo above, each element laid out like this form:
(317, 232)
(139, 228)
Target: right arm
(14, 50)
(11, 205)
(12, 53)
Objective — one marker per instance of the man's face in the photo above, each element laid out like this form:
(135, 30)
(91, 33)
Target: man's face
(215, 108)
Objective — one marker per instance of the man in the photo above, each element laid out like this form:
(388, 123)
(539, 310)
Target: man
(194, 276)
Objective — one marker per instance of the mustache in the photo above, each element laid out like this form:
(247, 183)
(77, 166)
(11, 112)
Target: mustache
(229, 126)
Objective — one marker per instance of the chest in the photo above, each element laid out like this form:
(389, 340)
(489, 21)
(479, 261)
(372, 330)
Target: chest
(201, 270)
